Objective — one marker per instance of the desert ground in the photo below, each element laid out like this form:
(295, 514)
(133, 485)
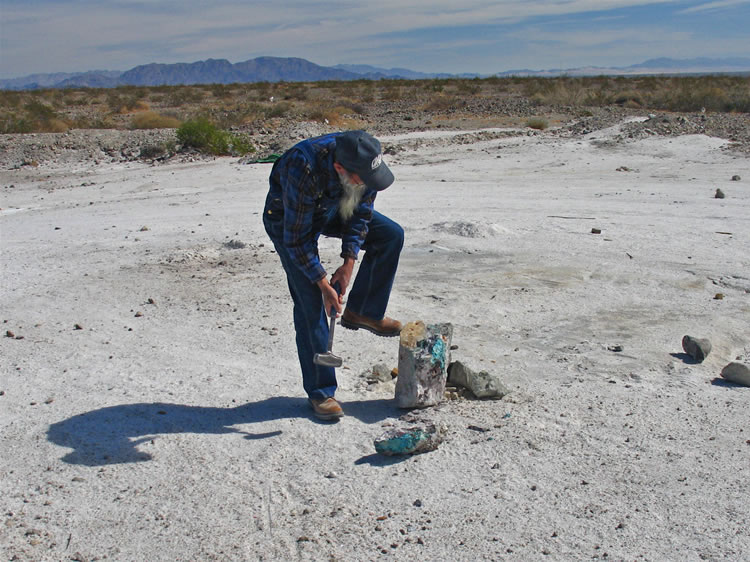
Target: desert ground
(151, 403)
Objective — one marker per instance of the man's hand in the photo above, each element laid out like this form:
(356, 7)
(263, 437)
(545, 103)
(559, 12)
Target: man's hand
(343, 275)
(331, 299)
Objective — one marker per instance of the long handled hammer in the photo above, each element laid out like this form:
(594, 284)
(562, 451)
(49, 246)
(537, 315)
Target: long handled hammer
(328, 359)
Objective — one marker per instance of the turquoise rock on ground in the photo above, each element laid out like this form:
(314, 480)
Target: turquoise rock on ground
(409, 440)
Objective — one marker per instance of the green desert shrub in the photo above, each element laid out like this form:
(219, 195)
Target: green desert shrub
(442, 103)
(99, 122)
(181, 95)
(206, 137)
(538, 123)
(153, 120)
(706, 97)
(279, 109)
(628, 98)
(296, 91)
(35, 117)
(471, 87)
(152, 151)
(10, 98)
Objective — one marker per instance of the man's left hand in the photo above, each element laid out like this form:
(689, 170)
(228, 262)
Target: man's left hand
(343, 275)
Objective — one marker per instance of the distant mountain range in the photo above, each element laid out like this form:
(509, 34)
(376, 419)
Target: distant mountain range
(702, 65)
(276, 69)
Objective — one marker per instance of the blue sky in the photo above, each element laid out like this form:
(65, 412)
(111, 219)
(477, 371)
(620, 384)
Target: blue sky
(437, 36)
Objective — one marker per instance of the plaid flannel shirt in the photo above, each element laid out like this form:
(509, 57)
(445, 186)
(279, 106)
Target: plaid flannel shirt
(305, 193)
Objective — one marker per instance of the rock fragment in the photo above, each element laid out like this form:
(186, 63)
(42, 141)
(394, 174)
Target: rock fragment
(235, 244)
(736, 178)
(380, 373)
(697, 348)
(481, 384)
(719, 194)
(411, 439)
(737, 372)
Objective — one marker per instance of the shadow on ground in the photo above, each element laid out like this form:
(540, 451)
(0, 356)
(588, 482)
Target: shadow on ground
(685, 358)
(111, 435)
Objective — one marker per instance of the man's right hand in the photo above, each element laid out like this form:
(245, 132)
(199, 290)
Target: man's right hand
(331, 299)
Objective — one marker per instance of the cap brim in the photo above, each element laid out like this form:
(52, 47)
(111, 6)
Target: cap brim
(380, 178)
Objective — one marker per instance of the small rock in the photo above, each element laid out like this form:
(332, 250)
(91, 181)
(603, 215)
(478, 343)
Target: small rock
(77, 327)
(719, 296)
(235, 244)
(719, 194)
(736, 178)
(596, 231)
(697, 348)
(616, 348)
(380, 373)
(417, 503)
(10, 334)
(415, 439)
(138, 314)
(332, 475)
(736, 372)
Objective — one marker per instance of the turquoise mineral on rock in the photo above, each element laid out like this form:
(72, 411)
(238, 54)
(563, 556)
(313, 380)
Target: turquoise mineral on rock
(437, 351)
(410, 440)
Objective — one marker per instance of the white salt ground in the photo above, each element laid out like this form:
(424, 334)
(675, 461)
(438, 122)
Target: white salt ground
(172, 424)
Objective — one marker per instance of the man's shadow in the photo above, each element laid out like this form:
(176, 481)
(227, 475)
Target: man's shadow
(111, 435)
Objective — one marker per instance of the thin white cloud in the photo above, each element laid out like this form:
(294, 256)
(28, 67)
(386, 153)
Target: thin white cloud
(603, 37)
(84, 34)
(718, 5)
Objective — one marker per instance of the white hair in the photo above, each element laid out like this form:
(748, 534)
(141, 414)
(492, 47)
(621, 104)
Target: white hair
(352, 196)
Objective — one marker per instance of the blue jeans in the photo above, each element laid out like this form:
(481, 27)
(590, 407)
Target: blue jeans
(368, 296)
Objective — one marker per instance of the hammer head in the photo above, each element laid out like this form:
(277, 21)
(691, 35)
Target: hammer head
(327, 359)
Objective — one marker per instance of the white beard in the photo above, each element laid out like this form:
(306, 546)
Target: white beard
(351, 198)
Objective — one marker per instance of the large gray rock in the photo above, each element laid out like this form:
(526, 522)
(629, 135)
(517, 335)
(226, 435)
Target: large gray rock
(736, 372)
(423, 358)
(481, 384)
(697, 348)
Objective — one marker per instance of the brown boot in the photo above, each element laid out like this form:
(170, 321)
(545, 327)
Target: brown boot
(387, 327)
(327, 409)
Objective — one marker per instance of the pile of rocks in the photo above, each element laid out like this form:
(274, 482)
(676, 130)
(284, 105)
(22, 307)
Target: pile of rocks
(733, 127)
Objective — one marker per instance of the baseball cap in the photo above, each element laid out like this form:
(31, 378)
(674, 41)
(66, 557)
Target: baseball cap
(360, 153)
